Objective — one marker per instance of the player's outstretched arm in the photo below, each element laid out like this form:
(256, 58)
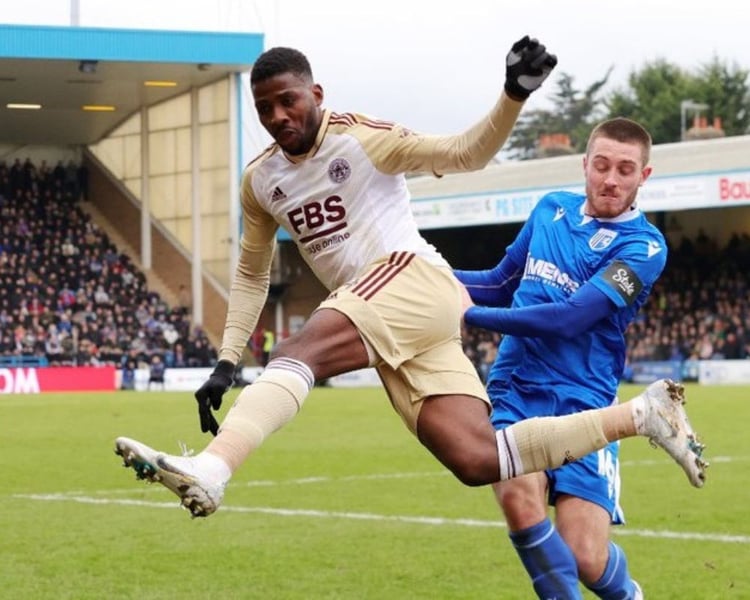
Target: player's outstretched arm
(492, 287)
(527, 65)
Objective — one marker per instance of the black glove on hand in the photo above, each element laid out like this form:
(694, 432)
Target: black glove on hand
(527, 65)
(210, 393)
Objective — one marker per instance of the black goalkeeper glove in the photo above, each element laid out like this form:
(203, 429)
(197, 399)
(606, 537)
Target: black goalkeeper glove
(527, 65)
(210, 393)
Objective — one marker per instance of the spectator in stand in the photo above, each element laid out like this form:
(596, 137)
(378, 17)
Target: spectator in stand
(198, 353)
(127, 277)
(71, 181)
(83, 181)
(86, 355)
(133, 355)
(179, 359)
(53, 345)
(68, 248)
(109, 352)
(16, 177)
(58, 173)
(128, 375)
(170, 333)
(100, 295)
(44, 179)
(142, 313)
(157, 370)
(29, 177)
(184, 300)
(7, 346)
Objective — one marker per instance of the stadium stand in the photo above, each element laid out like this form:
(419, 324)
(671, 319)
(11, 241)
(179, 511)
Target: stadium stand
(69, 296)
(699, 309)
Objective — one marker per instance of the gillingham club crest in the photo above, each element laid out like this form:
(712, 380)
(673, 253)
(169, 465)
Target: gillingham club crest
(602, 239)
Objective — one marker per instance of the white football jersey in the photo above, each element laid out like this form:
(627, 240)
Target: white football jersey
(345, 204)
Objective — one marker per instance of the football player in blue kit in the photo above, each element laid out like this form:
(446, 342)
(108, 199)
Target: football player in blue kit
(564, 293)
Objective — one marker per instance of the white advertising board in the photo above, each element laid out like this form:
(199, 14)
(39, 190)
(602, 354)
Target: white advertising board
(713, 372)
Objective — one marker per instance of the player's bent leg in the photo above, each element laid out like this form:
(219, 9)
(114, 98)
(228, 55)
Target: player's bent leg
(542, 443)
(328, 344)
(269, 403)
(261, 408)
(457, 430)
(550, 442)
(328, 341)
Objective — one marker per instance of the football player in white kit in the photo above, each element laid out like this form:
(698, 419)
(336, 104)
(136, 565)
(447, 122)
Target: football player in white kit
(335, 182)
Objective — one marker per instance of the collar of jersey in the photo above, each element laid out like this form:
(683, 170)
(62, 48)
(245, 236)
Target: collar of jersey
(632, 213)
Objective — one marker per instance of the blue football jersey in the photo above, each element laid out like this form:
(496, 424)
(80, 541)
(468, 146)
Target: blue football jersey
(562, 249)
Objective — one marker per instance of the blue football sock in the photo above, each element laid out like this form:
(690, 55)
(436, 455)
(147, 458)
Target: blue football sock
(615, 583)
(548, 561)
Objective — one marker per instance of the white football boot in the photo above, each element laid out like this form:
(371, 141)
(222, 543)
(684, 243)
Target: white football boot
(664, 421)
(200, 491)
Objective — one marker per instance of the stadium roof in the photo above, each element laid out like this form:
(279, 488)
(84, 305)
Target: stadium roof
(63, 69)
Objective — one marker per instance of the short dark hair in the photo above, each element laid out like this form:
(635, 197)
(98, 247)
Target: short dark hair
(279, 60)
(623, 130)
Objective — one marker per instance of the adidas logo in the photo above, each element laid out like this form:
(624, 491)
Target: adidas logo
(277, 194)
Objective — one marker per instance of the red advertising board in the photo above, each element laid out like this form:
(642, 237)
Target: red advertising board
(57, 379)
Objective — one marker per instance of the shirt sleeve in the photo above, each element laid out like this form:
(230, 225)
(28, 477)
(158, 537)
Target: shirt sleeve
(518, 249)
(394, 149)
(249, 289)
(492, 287)
(566, 319)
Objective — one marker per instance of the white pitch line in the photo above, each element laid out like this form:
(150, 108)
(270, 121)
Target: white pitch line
(280, 482)
(386, 476)
(288, 512)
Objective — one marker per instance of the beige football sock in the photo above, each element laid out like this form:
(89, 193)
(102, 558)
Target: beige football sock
(264, 406)
(549, 442)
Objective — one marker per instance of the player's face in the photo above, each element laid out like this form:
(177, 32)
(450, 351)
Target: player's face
(289, 109)
(614, 171)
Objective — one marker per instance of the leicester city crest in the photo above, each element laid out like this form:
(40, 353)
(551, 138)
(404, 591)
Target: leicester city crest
(339, 170)
(602, 239)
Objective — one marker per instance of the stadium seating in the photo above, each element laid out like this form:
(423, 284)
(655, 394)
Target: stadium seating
(68, 295)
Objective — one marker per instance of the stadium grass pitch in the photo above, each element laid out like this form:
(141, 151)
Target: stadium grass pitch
(341, 504)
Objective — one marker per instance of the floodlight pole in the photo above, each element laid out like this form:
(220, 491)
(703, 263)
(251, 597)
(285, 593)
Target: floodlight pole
(75, 13)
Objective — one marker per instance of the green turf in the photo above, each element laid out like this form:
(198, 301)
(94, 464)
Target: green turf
(341, 504)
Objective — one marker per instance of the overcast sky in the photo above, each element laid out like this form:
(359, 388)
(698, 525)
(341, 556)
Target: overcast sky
(436, 66)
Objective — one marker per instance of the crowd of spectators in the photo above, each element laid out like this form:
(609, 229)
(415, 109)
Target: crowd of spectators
(699, 309)
(67, 295)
